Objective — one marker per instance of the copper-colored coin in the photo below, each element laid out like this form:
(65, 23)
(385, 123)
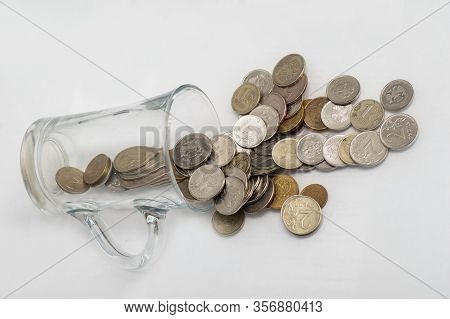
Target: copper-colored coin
(70, 179)
(293, 92)
(313, 111)
(285, 187)
(344, 150)
(294, 122)
(98, 170)
(317, 192)
(245, 98)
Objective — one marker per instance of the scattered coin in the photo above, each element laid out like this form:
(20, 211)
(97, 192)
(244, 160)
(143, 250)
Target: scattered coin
(284, 153)
(293, 92)
(242, 161)
(324, 167)
(293, 123)
(343, 89)
(70, 179)
(336, 117)
(270, 117)
(309, 148)
(184, 188)
(285, 187)
(98, 170)
(316, 192)
(367, 149)
(231, 198)
(265, 148)
(331, 151)
(206, 182)
(398, 131)
(367, 115)
(313, 113)
(276, 101)
(233, 171)
(262, 79)
(223, 151)
(344, 150)
(396, 95)
(294, 107)
(288, 70)
(245, 98)
(262, 202)
(301, 214)
(228, 224)
(192, 150)
(249, 131)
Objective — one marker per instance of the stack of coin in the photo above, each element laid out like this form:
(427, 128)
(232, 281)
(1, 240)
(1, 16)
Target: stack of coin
(279, 132)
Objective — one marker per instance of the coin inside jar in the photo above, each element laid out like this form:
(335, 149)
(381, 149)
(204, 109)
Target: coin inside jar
(70, 179)
(245, 98)
(367, 115)
(98, 170)
(192, 150)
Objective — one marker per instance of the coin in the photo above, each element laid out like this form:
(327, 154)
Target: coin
(396, 95)
(233, 171)
(293, 92)
(293, 108)
(114, 183)
(133, 158)
(367, 115)
(276, 101)
(367, 149)
(336, 117)
(331, 151)
(260, 189)
(343, 89)
(285, 187)
(270, 117)
(313, 111)
(293, 123)
(261, 161)
(223, 150)
(262, 79)
(398, 131)
(344, 150)
(231, 198)
(242, 161)
(228, 224)
(156, 178)
(206, 182)
(184, 188)
(245, 98)
(192, 150)
(263, 202)
(288, 70)
(98, 170)
(316, 192)
(284, 153)
(324, 167)
(265, 148)
(310, 148)
(249, 131)
(301, 214)
(70, 179)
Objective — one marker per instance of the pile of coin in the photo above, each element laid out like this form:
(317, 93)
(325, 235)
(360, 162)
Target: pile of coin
(278, 133)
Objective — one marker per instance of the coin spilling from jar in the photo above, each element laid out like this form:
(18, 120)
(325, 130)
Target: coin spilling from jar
(280, 132)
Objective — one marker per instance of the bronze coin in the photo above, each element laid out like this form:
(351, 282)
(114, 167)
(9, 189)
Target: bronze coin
(294, 122)
(70, 179)
(245, 98)
(293, 92)
(316, 192)
(98, 170)
(285, 187)
(313, 111)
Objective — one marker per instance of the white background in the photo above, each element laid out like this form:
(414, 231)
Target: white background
(401, 209)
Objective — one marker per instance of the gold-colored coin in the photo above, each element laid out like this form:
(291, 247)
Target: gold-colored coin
(284, 153)
(344, 150)
(285, 187)
(70, 179)
(245, 98)
(313, 111)
(367, 115)
(301, 214)
(292, 123)
(98, 170)
(228, 224)
(316, 192)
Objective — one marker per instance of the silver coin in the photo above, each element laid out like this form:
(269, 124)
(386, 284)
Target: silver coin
(309, 148)
(262, 79)
(306, 168)
(192, 150)
(396, 95)
(233, 171)
(261, 161)
(331, 151)
(293, 92)
(260, 189)
(398, 131)
(324, 167)
(265, 148)
(227, 225)
(336, 117)
(343, 89)
(276, 101)
(284, 153)
(206, 182)
(249, 131)
(367, 149)
(224, 150)
(367, 115)
(231, 198)
(293, 108)
(270, 117)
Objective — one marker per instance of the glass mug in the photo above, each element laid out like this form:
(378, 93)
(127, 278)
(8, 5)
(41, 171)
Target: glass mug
(73, 140)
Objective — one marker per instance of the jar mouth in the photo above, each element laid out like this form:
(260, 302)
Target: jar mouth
(188, 102)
